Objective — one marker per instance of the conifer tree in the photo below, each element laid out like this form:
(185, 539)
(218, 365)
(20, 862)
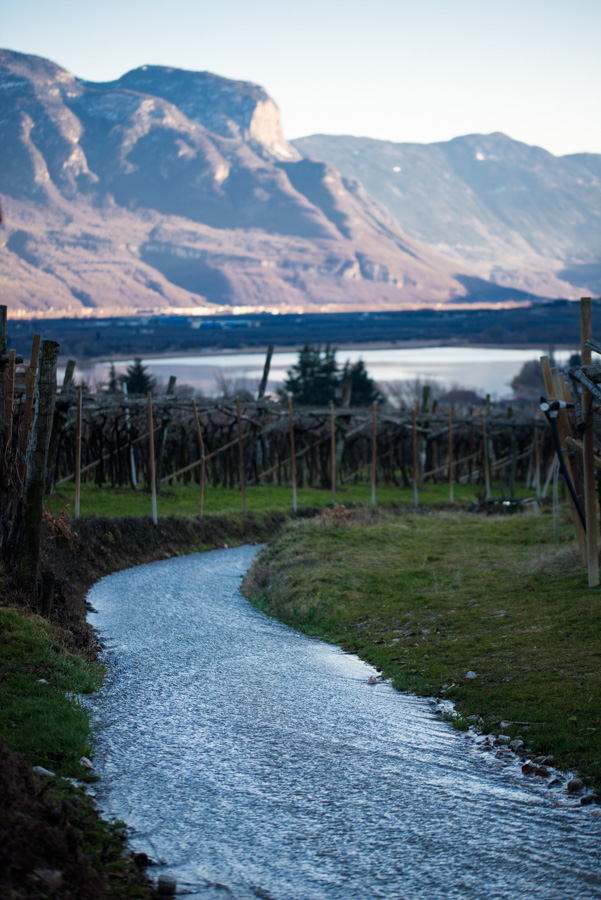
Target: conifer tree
(364, 390)
(314, 380)
(139, 381)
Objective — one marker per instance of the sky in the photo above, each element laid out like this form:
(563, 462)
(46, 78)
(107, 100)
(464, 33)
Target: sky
(399, 70)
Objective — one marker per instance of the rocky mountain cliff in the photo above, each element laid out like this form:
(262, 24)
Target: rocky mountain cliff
(518, 215)
(172, 190)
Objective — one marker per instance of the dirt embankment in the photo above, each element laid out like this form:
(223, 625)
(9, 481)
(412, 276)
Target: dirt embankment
(52, 844)
(77, 554)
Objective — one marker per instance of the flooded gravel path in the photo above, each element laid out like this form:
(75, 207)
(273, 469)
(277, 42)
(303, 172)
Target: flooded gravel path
(259, 763)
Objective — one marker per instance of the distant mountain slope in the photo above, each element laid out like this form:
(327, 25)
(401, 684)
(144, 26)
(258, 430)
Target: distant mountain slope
(173, 190)
(519, 215)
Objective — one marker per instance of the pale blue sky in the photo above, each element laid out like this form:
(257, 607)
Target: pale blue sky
(402, 71)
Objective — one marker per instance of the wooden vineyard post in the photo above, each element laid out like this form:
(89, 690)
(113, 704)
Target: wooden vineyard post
(201, 448)
(35, 468)
(590, 505)
(265, 378)
(241, 455)
(333, 449)
(30, 375)
(3, 362)
(535, 438)
(415, 455)
(78, 453)
(153, 477)
(374, 451)
(450, 457)
(132, 457)
(68, 376)
(292, 452)
(485, 462)
(561, 430)
(9, 396)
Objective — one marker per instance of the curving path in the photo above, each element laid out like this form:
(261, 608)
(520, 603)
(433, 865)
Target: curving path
(259, 763)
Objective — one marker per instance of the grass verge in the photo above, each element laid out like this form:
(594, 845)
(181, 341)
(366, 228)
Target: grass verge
(428, 598)
(53, 842)
(182, 500)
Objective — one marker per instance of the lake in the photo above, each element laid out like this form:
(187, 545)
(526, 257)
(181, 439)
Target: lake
(484, 369)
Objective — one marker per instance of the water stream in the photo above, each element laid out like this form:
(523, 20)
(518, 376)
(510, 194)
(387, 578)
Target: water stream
(258, 763)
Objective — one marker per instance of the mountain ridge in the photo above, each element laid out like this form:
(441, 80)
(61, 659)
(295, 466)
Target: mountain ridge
(170, 190)
(516, 213)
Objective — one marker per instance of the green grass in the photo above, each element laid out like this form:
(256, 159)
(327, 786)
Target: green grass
(183, 501)
(41, 717)
(428, 597)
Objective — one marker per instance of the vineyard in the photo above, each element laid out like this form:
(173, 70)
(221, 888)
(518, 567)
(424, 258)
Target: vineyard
(52, 435)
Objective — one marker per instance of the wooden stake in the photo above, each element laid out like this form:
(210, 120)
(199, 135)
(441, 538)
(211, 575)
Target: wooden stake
(241, 455)
(35, 468)
(536, 442)
(132, 457)
(374, 451)
(590, 505)
(485, 463)
(333, 449)
(3, 361)
(562, 425)
(10, 398)
(30, 375)
(415, 456)
(265, 377)
(153, 477)
(78, 453)
(292, 453)
(201, 448)
(450, 457)
(68, 377)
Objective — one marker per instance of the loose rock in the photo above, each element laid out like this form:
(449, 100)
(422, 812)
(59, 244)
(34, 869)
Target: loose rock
(575, 785)
(166, 886)
(40, 770)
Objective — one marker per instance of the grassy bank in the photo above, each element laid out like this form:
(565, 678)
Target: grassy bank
(428, 598)
(183, 501)
(53, 842)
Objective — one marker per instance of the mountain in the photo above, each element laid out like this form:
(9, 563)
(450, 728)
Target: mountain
(169, 190)
(516, 214)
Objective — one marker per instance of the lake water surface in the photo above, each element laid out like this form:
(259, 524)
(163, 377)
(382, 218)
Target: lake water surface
(487, 370)
(259, 763)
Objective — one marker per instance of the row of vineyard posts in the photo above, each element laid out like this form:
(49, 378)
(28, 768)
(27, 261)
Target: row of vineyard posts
(49, 436)
(105, 439)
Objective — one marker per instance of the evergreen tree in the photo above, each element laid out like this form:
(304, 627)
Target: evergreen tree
(138, 379)
(113, 382)
(314, 379)
(364, 390)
